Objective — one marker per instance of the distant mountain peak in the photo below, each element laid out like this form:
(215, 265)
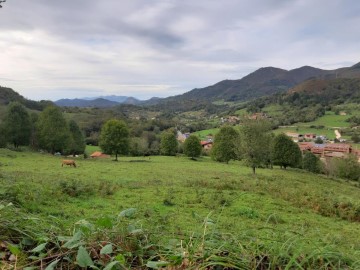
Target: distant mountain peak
(356, 65)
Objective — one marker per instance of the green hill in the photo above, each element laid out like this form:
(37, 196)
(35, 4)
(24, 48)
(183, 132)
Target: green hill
(8, 95)
(171, 211)
(264, 82)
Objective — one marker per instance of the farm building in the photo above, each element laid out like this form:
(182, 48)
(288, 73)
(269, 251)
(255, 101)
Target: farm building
(206, 145)
(329, 150)
(98, 154)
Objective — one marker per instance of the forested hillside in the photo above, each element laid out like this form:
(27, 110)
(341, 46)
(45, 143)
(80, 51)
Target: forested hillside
(8, 95)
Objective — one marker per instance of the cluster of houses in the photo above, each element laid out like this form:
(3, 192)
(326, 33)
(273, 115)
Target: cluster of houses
(324, 150)
(207, 144)
(329, 150)
(296, 137)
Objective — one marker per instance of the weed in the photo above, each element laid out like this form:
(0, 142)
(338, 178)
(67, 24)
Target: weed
(76, 188)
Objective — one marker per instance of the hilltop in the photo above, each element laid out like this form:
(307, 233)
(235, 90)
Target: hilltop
(8, 95)
(264, 82)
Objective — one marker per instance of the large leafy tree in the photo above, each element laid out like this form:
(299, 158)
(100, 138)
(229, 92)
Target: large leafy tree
(34, 117)
(311, 163)
(2, 136)
(114, 138)
(192, 146)
(52, 130)
(77, 141)
(17, 125)
(285, 152)
(224, 148)
(139, 146)
(168, 144)
(254, 143)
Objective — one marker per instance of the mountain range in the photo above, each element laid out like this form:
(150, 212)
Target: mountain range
(262, 82)
(266, 81)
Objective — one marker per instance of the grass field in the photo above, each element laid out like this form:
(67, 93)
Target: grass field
(187, 212)
(329, 133)
(204, 133)
(329, 120)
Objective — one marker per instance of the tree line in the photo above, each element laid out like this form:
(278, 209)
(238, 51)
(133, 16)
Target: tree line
(253, 143)
(259, 148)
(48, 130)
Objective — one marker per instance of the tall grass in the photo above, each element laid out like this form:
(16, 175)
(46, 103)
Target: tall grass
(172, 213)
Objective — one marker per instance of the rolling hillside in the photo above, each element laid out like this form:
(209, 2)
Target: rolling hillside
(155, 211)
(264, 82)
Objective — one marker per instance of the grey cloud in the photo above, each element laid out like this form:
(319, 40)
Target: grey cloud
(88, 44)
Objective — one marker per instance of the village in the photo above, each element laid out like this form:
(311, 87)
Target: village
(324, 148)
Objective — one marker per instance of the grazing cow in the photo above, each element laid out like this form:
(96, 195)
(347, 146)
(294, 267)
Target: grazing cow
(68, 162)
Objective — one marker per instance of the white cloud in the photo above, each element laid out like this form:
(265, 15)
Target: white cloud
(58, 49)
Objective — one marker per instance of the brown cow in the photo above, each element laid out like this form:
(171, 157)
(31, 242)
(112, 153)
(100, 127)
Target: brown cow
(68, 162)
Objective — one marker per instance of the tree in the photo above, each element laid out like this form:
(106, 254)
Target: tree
(34, 117)
(17, 125)
(285, 152)
(311, 163)
(2, 136)
(348, 168)
(319, 140)
(168, 144)
(254, 143)
(355, 138)
(192, 147)
(52, 130)
(139, 146)
(114, 138)
(224, 148)
(77, 141)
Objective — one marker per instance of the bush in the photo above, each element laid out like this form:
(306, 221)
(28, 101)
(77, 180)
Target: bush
(76, 188)
(348, 168)
(311, 163)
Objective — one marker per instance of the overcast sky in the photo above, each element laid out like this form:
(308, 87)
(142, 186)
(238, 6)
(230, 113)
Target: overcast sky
(79, 48)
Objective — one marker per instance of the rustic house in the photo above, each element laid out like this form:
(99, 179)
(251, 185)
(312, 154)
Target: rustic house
(206, 145)
(329, 150)
(310, 136)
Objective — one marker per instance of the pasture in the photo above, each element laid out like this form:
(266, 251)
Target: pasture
(183, 213)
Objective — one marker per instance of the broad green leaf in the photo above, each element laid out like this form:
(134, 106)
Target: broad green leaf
(85, 226)
(128, 213)
(39, 248)
(14, 249)
(111, 265)
(136, 231)
(156, 265)
(106, 249)
(30, 268)
(75, 241)
(120, 258)
(83, 258)
(52, 265)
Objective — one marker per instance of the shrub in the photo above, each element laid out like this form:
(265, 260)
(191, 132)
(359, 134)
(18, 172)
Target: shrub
(76, 188)
(311, 163)
(348, 168)
(192, 147)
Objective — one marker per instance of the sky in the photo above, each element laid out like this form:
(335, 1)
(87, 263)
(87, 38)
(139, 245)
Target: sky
(144, 48)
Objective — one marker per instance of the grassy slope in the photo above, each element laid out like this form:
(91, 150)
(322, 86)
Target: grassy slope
(330, 121)
(284, 209)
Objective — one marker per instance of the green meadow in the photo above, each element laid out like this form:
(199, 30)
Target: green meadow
(175, 212)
